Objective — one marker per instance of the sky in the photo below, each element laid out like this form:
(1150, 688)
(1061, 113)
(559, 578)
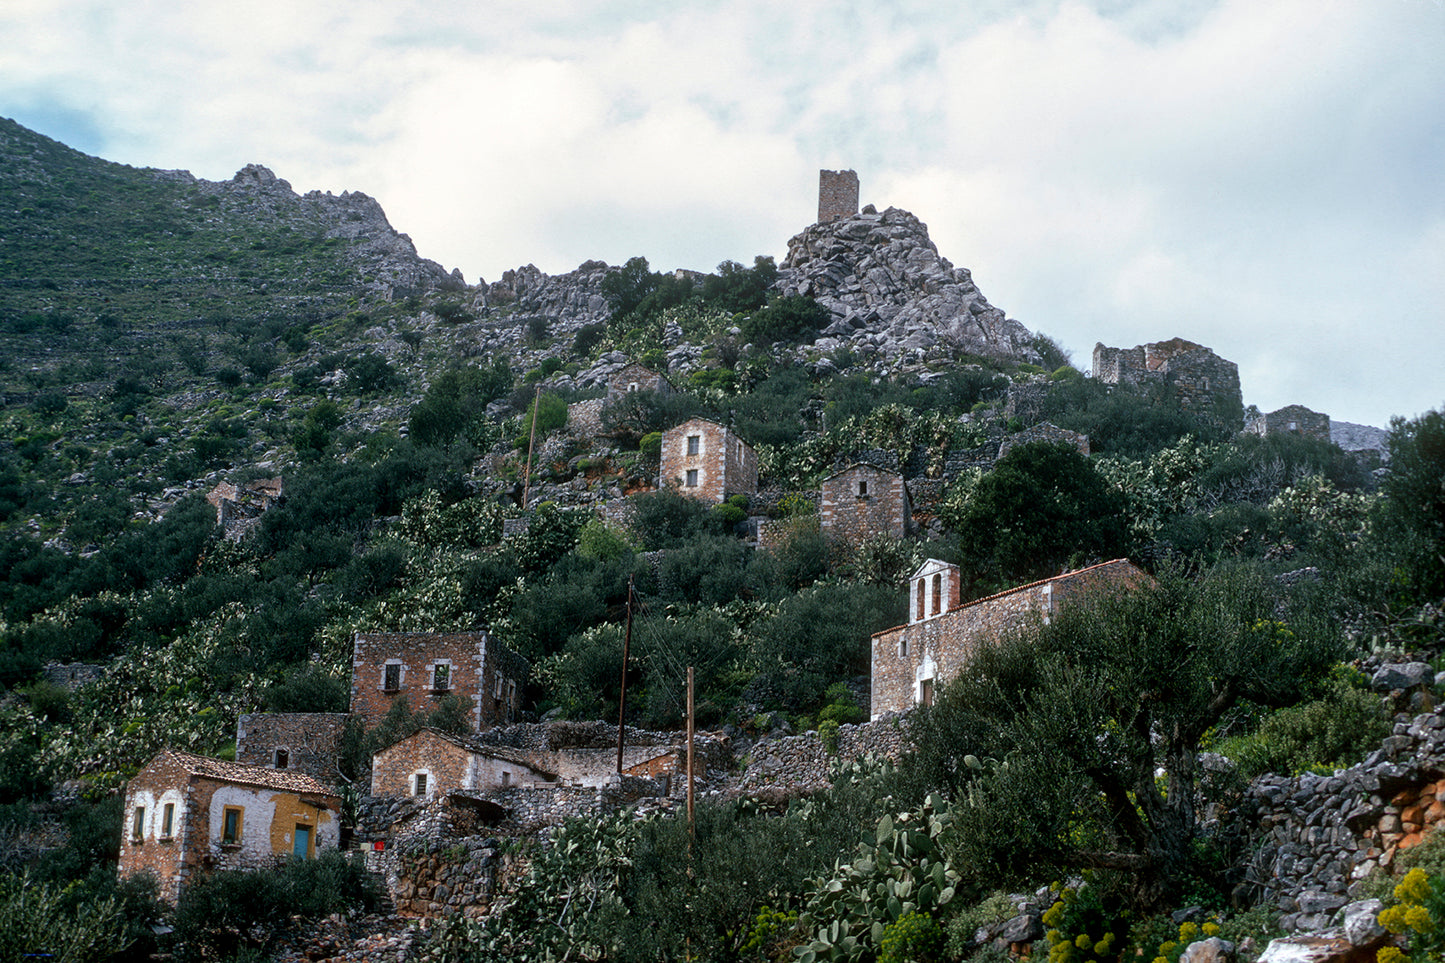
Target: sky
(1265, 177)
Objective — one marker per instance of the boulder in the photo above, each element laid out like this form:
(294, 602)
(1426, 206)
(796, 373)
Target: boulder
(1211, 950)
(1361, 923)
(1402, 675)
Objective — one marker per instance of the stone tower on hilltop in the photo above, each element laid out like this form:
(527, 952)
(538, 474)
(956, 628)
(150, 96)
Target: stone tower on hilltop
(837, 195)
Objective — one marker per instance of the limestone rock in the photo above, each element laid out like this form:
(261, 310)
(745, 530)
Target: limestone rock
(1360, 922)
(1402, 675)
(1211, 950)
(880, 274)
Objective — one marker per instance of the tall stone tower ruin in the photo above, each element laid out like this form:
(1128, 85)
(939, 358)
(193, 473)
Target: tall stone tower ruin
(837, 195)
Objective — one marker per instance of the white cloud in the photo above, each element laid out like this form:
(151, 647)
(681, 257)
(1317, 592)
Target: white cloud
(1260, 177)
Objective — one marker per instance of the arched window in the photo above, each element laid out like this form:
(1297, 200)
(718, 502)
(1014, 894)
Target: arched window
(937, 592)
(922, 604)
(283, 758)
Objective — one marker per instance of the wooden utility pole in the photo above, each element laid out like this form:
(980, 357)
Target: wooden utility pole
(689, 756)
(531, 440)
(622, 699)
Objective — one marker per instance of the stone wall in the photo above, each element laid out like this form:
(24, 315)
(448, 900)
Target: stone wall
(800, 764)
(72, 675)
(584, 418)
(1325, 833)
(1044, 431)
(444, 878)
(310, 740)
(837, 195)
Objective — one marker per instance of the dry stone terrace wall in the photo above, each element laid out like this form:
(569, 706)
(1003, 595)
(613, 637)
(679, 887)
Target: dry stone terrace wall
(801, 763)
(1324, 834)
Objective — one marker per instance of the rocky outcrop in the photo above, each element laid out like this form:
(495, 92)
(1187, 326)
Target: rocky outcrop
(1360, 438)
(892, 295)
(565, 301)
(384, 258)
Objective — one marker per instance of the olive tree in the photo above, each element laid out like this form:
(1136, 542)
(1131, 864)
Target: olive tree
(1074, 744)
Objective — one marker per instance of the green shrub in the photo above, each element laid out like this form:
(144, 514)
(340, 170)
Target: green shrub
(1326, 733)
(915, 938)
(828, 736)
(37, 922)
(230, 912)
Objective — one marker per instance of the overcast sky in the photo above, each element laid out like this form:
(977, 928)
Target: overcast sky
(1266, 177)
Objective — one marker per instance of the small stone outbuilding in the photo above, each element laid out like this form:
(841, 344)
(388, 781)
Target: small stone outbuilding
(426, 667)
(431, 762)
(708, 461)
(910, 661)
(239, 507)
(863, 501)
(186, 815)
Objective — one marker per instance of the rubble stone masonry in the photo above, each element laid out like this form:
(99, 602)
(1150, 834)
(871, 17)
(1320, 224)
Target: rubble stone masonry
(426, 667)
(837, 195)
(707, 461)
(1292, 420)
(308, 742)
(863, 501)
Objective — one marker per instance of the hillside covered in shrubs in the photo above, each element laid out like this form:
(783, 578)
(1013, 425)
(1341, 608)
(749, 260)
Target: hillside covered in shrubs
(160, 335)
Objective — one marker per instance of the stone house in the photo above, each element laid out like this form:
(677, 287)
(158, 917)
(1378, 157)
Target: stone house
(1194, 375)
(1292, 420)
(425, 667)
(708, 461)
(862, 501)
(187, 814)
(909, 661)
(431, 762)
(1045, 431)
(305, 742)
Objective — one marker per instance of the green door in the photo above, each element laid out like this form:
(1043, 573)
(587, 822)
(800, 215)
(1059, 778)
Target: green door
(303, 842)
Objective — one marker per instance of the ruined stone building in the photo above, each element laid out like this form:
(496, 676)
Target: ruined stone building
(707, 461)
(431, 762)
(636, 377)
(910, 661)
(426, 667)
(239, 507)
(1044, 431)
(837, 195)
(1196, 377)
(186, 815)
(1292, 420)
(305, 742)
(863, 501)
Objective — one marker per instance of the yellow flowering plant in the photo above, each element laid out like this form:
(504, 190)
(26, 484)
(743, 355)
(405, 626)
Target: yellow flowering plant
(1415, 916)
